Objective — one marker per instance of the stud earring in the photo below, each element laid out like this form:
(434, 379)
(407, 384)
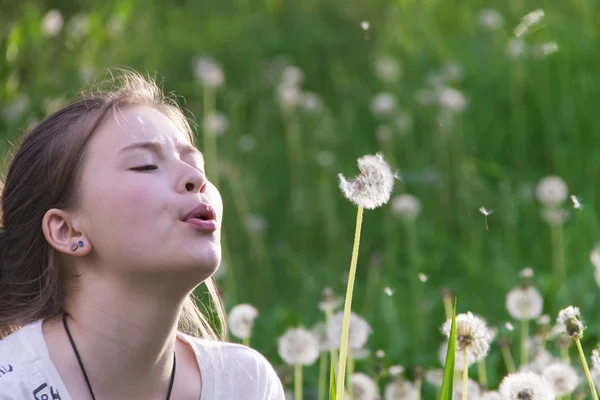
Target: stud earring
(75, 246)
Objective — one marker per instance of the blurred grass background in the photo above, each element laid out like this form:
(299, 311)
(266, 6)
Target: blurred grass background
(288, 232)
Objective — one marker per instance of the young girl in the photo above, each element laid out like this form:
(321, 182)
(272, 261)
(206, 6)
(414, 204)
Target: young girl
(109, 223)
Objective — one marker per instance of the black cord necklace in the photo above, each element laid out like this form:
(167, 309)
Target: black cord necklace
(85, 374)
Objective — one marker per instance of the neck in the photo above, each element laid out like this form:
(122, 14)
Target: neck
(125, 336)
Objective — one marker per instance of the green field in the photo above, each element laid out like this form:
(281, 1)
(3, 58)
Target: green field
(520, 111)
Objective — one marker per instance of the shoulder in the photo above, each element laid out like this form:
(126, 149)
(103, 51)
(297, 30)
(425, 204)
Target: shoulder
(19, 375)
(235, 368)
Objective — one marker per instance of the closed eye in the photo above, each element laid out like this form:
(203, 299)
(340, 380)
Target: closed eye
(145, 168)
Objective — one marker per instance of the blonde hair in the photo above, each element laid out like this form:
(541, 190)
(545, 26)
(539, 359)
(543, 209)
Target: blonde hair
(41, 175)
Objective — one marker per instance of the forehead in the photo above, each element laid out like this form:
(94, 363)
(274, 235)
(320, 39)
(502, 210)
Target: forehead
(132, 124)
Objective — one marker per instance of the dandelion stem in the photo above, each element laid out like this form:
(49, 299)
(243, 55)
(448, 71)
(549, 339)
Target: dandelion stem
(347, 308)
(587, 370)
(246, 341)
(508, 360)
(524, 339)
(298, 381)
(465, 387)
(482, 373)
(418, 384)
(322, 375)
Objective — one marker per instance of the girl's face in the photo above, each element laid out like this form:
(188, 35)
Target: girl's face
(141, 180)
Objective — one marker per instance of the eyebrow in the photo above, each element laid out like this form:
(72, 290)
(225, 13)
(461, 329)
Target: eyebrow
(156, 146)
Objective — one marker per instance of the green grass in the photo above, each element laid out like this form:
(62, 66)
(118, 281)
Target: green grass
(525, 119)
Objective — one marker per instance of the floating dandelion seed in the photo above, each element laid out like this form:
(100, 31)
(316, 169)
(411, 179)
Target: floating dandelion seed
(365, 25)
(388, 291)
(509, 326)
(529, 20)
(423, 278)
(485, 213)
(576, 203)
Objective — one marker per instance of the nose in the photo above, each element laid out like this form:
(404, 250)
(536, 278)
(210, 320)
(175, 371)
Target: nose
(192, 180)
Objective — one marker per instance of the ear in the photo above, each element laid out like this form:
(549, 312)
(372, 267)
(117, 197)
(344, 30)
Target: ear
(61, 234)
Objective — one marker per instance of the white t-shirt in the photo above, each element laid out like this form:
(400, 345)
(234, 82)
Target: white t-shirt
(229, 371)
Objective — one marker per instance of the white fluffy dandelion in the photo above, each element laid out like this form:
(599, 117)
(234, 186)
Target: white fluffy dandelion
(435, 377)
(310, 102)
(452, 100)
(568, 323)
(472, 336)
(494, 395)
(595, 256)
(387, 69)
(358, 333)
(216, 123)
(516, 49)
(241, 320)
(52, 23)
(400, 389)
(383, 104)
(373, 187)
(363, 387)
(524, 303)
(208, 72)
(406, 206)
(526, 386)
(473, 390)
(490, 19)
(551, 191)
(298, 346)
(563, 378)
(320, 332)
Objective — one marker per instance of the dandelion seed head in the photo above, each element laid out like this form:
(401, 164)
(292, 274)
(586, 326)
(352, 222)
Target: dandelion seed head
(208, 72)
(472, 336)
(490, 19)
(241, 320)
(526, 273)
(216, 123)
(383, 104)
(435, 376)
(373, 187)
(52, 23)
(396, 370)
(310, 102)
(554, 216)
(516, 49)
(292, 76)
(563, 378)
(288, 95)
(358, 332)
(551, 191)
(568, 323)
(363, 387)
(452, 99)
(380, 353)
(423, 278)
(526, 386)
(388, 291)
(298, 346)
(595, 359)
(473, 390)
(387, 69)
(491, 396)
(406, 206)
(400, 389)
(524, 303)
(329, 302)
(320, 332)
